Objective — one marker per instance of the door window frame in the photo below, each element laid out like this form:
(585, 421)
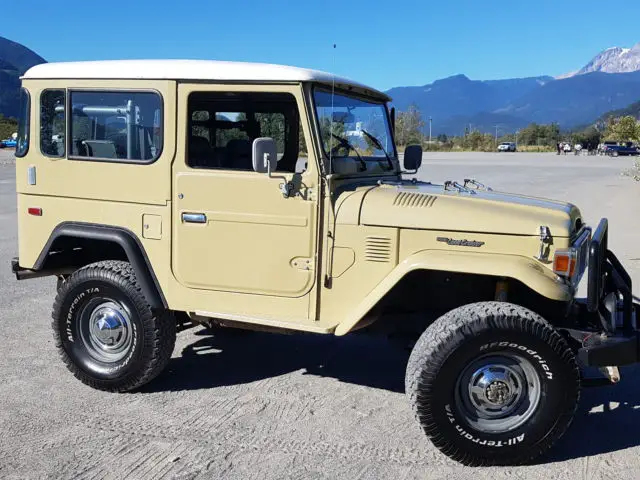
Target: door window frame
(297, 90)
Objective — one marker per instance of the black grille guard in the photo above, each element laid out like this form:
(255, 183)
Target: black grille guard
(606, 275)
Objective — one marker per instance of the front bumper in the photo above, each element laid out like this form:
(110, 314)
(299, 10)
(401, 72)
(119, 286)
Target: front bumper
(609, 303)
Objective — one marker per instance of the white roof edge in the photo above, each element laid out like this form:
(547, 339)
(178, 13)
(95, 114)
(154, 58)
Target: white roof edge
(187, 70)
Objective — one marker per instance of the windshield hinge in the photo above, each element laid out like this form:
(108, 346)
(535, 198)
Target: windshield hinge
(303, 263)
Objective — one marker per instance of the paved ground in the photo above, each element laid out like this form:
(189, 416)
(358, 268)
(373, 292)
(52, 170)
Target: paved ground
(260, 406)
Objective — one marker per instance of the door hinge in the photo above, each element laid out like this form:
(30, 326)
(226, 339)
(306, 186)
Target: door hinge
(302, 263)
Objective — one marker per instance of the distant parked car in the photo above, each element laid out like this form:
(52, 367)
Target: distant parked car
(9, 143)
(625, 149)
(507, 147)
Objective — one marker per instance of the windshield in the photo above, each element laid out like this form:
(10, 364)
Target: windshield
(356, 131)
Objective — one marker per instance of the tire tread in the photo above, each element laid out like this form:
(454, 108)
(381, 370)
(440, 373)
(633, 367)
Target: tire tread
(434, 346)
(159, 326)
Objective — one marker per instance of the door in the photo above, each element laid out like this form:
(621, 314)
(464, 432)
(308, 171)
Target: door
(234, 229)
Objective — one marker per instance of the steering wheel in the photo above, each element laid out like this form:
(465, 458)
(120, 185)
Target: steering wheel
(346, 145)
(342, 143)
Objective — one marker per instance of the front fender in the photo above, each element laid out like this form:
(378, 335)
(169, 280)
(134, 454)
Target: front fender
(526, 270)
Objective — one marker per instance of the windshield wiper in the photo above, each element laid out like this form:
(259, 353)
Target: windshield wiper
(378, 145)
(345, 143)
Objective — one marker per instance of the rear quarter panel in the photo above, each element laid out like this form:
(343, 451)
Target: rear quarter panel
(100, 192)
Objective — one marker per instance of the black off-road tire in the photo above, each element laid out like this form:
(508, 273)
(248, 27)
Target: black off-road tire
(461, 337)
(153, 333)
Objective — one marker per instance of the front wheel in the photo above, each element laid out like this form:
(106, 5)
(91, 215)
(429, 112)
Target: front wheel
(493, 384)
(106, 332)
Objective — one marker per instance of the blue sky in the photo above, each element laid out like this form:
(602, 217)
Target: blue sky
(381, 43)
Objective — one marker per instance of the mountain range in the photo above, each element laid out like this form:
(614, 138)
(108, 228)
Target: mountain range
(610, 81)
(15, 59)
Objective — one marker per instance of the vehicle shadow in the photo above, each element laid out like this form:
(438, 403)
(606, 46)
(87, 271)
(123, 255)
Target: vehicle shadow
(226, 356)
(607, 420)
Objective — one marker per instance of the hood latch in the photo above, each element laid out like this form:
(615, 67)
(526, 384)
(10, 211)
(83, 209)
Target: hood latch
(476, 185)
(450, 185)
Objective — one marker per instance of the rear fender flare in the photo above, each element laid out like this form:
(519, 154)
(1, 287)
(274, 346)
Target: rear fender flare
(123, 237)
(526, 270)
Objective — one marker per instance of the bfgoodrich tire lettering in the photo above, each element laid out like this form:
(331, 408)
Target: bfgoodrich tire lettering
(492, 330)
(137, 342)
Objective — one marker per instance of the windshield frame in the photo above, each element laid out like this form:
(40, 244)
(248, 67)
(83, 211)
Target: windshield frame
(393, 155)
(23, 139)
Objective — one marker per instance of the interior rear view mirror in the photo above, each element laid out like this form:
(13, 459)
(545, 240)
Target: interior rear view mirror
(343, 117)
(412, 158)
(264, 155)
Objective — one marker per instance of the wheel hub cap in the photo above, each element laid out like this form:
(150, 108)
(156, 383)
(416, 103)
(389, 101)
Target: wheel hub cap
(107, 333)
(498, 392)
(107, 326)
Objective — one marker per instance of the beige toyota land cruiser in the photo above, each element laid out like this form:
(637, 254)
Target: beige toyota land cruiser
(271, 197)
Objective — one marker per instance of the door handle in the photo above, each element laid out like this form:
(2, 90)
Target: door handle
(194, 218)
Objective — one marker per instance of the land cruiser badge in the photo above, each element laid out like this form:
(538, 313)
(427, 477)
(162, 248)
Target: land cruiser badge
(460, 243)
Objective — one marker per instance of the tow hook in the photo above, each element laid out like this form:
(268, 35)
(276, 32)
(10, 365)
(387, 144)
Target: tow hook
(612, 373)
(611, 377)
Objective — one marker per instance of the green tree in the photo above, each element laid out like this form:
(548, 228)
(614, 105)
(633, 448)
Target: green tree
(8, 126)
(589, 136)
(543, 135)
(623, 129)
(302, 144)
(409, 126)
(478, 142)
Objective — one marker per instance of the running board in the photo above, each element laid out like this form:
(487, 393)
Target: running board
(266, 322)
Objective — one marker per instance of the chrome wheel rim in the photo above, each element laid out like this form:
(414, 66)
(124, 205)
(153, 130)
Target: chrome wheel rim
(107, 331)
(498, 393)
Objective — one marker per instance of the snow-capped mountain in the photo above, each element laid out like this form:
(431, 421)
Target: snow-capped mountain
(614, 60)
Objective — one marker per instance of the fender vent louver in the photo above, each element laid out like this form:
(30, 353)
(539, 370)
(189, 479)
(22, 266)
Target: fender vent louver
(407, 199)
(377, 249)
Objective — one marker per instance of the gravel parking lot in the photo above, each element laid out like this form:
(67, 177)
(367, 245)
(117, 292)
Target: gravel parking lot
(255, 406)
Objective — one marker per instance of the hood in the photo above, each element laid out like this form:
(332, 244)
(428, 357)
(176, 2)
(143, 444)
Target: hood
(428, 206)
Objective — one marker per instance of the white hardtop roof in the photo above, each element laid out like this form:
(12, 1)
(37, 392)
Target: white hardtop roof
(188, 70)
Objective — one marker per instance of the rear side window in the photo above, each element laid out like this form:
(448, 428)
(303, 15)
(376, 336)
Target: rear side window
(116, 126)
(52, 123)
(22, 145)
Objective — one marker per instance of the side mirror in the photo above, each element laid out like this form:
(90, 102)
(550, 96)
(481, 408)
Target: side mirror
(264, 154)
(412, 158)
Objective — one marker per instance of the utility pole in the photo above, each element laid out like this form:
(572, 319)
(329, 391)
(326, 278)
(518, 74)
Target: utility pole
(517, 131)
(430, 120)
(496, 134)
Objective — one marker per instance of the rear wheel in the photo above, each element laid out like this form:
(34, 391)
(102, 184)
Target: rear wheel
(493, 384)
(106, 332)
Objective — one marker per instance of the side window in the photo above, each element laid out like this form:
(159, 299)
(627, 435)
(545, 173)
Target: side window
(52, 123)
(116, 126)
(22, 144)
(223, 126)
